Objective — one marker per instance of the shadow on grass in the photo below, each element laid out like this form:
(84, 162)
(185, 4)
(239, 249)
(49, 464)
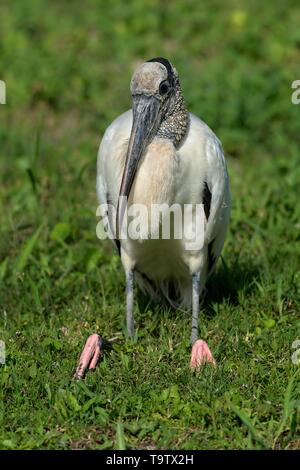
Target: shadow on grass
(228, 281)
(225, 284)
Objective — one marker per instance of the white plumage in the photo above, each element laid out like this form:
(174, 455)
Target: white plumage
(168, 175)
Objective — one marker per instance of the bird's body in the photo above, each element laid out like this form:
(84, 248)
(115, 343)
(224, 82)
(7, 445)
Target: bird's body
(167, 175)
(160, 155)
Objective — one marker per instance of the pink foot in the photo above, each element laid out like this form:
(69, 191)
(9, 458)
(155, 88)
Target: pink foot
(90, 355)
(201, 355)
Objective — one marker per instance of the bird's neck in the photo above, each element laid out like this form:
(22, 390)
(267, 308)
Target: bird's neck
(176, 122)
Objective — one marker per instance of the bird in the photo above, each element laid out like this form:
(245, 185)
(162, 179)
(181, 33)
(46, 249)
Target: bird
(160, 154)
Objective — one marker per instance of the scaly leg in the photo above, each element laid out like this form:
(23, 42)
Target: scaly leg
(200, 351)
(129, 303)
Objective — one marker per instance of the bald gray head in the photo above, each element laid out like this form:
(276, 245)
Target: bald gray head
(154, 78)
(155, 83)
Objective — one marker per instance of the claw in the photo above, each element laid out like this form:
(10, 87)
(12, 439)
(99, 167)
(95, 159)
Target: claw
(201, 355)
(90, 355)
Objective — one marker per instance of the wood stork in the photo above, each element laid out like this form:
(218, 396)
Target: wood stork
(159, 153)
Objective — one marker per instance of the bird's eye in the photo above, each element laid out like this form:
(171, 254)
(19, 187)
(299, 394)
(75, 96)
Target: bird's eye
(164, 87)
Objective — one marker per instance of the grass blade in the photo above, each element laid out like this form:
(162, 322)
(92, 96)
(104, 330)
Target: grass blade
(26, 251)
(248, 423)
(120, 437)
(288, 396)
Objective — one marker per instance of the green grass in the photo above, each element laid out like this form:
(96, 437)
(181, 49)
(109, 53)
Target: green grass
(67, 72)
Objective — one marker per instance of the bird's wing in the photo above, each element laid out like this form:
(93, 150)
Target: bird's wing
(204, 178)
(217, 190)
(109, 168)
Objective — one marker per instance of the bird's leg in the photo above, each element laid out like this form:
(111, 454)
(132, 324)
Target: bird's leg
(95, 344)
(195, 306)
(200, 351)
(129, 303)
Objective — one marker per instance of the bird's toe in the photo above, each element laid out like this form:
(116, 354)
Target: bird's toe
(89, 357)
(201, 355)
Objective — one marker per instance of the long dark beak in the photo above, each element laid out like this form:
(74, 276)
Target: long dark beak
(144, 126)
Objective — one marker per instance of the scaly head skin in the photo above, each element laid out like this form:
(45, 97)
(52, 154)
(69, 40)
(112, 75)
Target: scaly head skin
(159, 79)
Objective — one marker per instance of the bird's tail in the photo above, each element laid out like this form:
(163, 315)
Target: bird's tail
(177, 292)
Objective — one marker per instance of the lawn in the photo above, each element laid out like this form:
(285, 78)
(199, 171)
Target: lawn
(67, 71)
